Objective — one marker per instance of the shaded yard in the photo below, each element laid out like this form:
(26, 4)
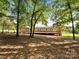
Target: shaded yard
(40, 47)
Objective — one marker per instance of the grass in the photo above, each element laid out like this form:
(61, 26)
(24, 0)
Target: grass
(68, 34)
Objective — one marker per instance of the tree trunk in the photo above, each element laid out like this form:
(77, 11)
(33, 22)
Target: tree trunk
(31, 25)
(71, 16)
(35, 23)
(31, 28)
(3, 28)
(34, 27)
(73, 30)
(33, 31)
(17, 27)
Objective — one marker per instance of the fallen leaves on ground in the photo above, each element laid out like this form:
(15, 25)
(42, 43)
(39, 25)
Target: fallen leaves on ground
(39, 47)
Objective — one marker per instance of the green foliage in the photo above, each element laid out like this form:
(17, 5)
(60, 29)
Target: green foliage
(2, 14)
(57, 10)
(77, 27)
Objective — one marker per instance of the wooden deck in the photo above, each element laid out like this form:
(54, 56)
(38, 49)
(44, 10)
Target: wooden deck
(44, 31)
(48, 33)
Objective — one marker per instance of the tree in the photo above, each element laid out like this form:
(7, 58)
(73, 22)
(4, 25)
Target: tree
(18, 11)
(35, 2)
(3, 11)
(71, 15)
(39, 13)
(59, 14)
(17, 8)
(65, 11)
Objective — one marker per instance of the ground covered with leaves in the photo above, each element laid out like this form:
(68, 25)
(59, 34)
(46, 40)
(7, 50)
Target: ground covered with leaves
(40, 47)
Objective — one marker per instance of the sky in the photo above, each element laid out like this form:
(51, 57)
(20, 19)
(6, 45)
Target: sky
(50, 23)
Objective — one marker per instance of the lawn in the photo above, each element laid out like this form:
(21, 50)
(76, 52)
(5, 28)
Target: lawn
(68, 34)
